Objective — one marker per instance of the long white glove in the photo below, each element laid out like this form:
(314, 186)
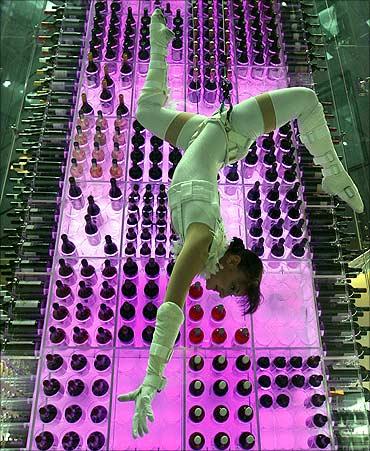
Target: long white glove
(169, 320)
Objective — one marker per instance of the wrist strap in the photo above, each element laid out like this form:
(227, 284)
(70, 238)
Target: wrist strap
(155, 381)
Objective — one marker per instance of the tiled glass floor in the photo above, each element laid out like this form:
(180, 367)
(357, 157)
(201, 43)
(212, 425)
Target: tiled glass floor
(346, 25)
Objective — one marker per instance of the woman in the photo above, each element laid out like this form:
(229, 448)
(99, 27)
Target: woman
(210, 144)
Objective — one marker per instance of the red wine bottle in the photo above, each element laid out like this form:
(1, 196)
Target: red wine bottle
(316, 421)
(109, 272)
(92, 72)
(66, 272)
(318, 441)
(85, 293)
(265, 401)
(69, 250)
(107, 292)
(73, 413)
(59, 312)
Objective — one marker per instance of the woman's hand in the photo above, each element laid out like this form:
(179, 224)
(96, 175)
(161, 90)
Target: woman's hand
(143, 397)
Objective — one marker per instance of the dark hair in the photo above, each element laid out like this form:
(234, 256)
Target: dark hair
(252, 266)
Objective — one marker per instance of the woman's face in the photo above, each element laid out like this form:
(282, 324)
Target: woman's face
(228, 281)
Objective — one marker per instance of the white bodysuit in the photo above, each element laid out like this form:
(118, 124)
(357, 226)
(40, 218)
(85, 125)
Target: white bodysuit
(193, 195)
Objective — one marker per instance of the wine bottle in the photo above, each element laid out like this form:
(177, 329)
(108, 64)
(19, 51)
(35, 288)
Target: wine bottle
(46, 440)
(95, 441)
(106, 99)
(109, 80)
(100, 387)
(92, 72)
(92, 231)
(87, 109)
(104, 336)
(80, 336)
(94, 211)
(102, 362)
(194, 88)
(73, 413)
(79, 363)
(86, 293)
(75, 195)
(210, 89)
(109, 272)
(126, 72)
(49, 413)
(122, 109)
(83, 314)
(88, 273)
(76, 387)
(101, 128)
(111, 250)
(71, 441)
(98, 414)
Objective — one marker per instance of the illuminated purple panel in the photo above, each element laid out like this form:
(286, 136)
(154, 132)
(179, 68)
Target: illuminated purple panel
(104, 325)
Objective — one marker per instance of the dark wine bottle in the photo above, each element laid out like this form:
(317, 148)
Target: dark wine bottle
(122, 108)
(95, 441)
(45, 440)
(71, 441)
(86, 108)
(102, 362)
(75, 387)
(100, 387)
(73, 413)
(92, 72)
(49, 413)
(98, 414)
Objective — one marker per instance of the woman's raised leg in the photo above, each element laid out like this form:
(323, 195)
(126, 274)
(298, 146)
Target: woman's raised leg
(163, 122)
(272, 109)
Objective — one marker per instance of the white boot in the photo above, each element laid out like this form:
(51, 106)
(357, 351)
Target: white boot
(336, 180)
(155, 89)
